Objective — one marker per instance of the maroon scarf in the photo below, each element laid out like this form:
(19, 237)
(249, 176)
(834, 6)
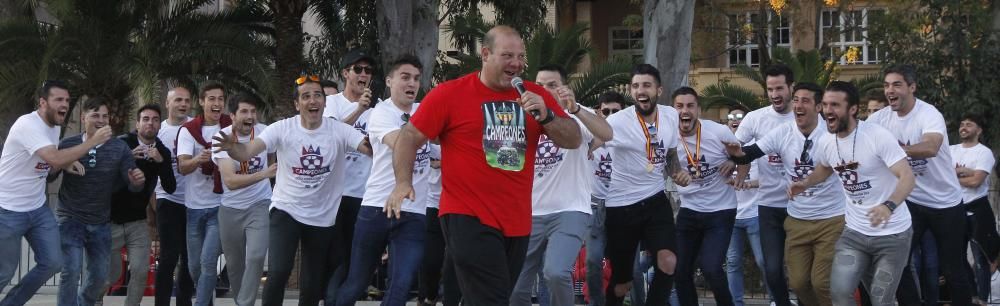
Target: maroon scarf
(194, 127)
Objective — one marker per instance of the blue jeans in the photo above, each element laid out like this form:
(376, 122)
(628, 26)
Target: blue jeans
(372, 232)
(743, 230)
(79, 242)
(642, 277)
(703, 237)
(204, 248)
(772, 242)
(40, 229)
(595, 254)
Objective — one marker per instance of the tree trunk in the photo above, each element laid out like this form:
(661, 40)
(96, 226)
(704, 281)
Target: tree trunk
(667, 37)
(288, 57)
(409, 27)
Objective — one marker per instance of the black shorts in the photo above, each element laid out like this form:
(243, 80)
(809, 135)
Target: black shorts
(650, 221)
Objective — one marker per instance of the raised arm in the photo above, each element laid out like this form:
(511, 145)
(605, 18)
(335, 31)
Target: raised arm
(237, 151)
(595, 124)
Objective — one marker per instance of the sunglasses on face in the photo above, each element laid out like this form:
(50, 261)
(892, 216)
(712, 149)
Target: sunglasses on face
(302, 79)
(609, 111)
(93, 157)
(805, 151)
(365, 69)
(735, 116)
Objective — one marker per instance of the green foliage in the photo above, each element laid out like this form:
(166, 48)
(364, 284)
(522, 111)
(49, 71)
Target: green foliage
(726, 94)
(566, 48)
(613, 74)
(124, 50)
(955, 49)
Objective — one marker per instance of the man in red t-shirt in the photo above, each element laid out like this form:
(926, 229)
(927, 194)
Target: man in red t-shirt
(485, 128)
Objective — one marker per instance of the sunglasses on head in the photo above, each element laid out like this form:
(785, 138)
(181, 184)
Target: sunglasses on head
(365, 69)
(609, 111)
(405, 117)
(735, 116)
(302, 79)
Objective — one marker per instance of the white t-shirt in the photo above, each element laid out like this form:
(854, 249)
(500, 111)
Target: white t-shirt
(707, 190)
(631, 181)
(359, 166)
(434, 180)
(199, 192)
(872, 182)
(937, 185)
(745, 206)
(821, 201)
(386, 118)
(244, 197)
(311, 167)
(22, 170)
(167, 135)
(562, 176)
(601, 167)
(773, 184)
(978, 158)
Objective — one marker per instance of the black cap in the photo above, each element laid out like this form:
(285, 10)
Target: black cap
(354, 56)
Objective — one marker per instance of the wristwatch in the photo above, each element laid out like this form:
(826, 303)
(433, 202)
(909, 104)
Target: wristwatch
(549, 116)
(891, 205)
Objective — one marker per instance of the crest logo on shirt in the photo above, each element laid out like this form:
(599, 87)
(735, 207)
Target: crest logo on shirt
(603, 171)
(361, 127)
(803, 169)
(701, 170)
(312, 162)
(919, 165)
(547, 155)
(42, 167)
(849, 176)
(504, 114)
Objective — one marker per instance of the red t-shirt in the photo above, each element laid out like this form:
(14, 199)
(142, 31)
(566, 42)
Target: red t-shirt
(487, 150)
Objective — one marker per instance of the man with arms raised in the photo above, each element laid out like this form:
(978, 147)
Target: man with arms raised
(936, 201)
(246, 197)
(485, 128)
(771, 200)
(30, 151)
(638, 209)
(875, 244)
(815, 217)
(311, 152)
(560, 196)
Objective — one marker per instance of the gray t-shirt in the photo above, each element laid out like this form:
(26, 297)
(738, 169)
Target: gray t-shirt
(87, 198)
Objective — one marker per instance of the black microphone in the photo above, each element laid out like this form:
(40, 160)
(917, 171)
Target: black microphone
(518, 84)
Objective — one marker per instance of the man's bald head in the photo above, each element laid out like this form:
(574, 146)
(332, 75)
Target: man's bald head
(499, 31)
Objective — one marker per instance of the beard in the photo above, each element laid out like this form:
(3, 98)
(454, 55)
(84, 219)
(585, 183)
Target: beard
(647, 112)
(840, 126)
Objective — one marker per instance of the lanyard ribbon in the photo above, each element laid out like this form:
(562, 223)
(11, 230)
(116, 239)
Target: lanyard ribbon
(693, 160)
(650, 151)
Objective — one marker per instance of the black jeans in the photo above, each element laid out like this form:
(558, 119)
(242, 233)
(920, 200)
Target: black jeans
(314, 273)
(347, 217)
(650, 221)
(487, 263)
(703, 236)
(433, 272)
(171, 224)
(948, 225)
(772, 243)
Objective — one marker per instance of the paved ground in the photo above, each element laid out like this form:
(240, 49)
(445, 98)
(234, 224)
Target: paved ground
(49, 299)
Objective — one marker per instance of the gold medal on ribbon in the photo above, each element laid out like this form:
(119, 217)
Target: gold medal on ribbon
(649, 167)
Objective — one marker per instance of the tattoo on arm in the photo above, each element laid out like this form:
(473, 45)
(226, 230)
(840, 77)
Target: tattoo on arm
(671, 165)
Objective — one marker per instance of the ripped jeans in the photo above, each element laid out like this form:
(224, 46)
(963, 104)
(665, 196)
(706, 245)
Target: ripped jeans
(876, 261)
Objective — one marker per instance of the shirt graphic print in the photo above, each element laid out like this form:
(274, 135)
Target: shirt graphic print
(504, 137)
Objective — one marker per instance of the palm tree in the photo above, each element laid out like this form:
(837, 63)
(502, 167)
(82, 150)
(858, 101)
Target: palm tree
(125, 50)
